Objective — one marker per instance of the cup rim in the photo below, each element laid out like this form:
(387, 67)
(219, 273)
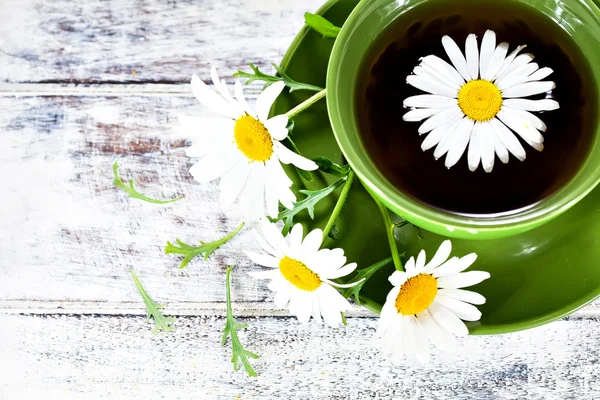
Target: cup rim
(416, 212)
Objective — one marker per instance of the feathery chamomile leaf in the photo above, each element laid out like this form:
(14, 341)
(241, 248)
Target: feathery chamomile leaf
(321, 25)
(205, 249)
(362, 276)
(308, 204)
(258, 75)
(239, 353)
(132, 192)
(153, 309)
(329, 167)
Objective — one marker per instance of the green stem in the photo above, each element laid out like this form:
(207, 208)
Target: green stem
(389, 229)
(305, 104)
(339, 204)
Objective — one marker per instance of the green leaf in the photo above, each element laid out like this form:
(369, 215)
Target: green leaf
(321, 25)
(334, 232)
(362, 276)
(239, 353)
(309, 203)
(344, 319)
(331, 168)
(153, 309)
(205, 249)
(132, 192)
(307, 175)
(258, 75)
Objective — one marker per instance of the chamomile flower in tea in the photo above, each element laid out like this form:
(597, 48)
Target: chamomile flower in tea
(428, 303)
(301, 274)
(480, 102)
(243, 148)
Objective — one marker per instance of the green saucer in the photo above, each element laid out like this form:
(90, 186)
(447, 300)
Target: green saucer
(537, 277)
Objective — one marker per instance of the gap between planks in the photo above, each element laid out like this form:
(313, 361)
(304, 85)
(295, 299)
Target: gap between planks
(111, 90)
(240, 309)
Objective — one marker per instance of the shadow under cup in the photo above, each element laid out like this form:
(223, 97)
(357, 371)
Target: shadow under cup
(373, 23)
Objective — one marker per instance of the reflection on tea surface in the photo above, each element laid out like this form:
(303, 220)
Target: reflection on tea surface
(395, 145)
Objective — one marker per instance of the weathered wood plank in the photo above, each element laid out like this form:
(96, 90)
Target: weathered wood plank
(118, 357)
(143, 41)
(67, 234)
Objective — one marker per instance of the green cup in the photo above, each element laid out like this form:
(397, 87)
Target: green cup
(579, 18)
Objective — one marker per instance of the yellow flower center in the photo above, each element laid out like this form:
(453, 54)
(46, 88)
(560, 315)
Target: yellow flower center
(299, 275)
(416, 294)
(253, 139)
(480, 100)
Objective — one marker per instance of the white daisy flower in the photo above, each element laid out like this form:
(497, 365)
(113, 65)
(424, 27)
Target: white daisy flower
(243, 148)
(301, 274)
(478, 102)
(427, 303)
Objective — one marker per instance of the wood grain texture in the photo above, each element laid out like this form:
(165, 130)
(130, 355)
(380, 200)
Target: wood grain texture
(142, 40)
(66, 233)
(64, 357)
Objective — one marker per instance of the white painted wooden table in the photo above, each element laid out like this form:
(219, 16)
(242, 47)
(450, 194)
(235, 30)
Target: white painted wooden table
(85, 83)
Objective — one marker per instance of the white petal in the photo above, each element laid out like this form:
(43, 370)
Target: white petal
(528, 117)
(273, 186)
(398, 339)
(496, 61)
(212, 166)
(409, 267)
(528, 89)
(263, 259)
(436, 135)
(463, 295)
(437, 75)
(295, 241)
(448, 320)
(266, 246)
(440, 119)
(274, 237)
(519, 75)
(441, 255)
(464, 279)
(281, 298)
(538, 75)
(445, 69)
(488, 46)
(287, 156)
(409, 334)
(266, 99)
(459, 142)
(302, 307)
(252, 199)
(429, 101)
(420, 261)
(239, 96)
(499, 148)
(456, 56)
(277, 127)
(472, 55)
(532, 105)
(345, 270)
(455, 267)
(430, 85)
(516, 63)
(208, 98)
(312, 242)
(474, 151)
(508, 60)
(508, 139)
(488, 138)
(398, 278)
(420, 114)
(446, 140)
(332, 305)
(464, 311)
(523, 128)
(316, 309)
(421, 344)
(433, 331)
(269, 274)
(232, 184)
